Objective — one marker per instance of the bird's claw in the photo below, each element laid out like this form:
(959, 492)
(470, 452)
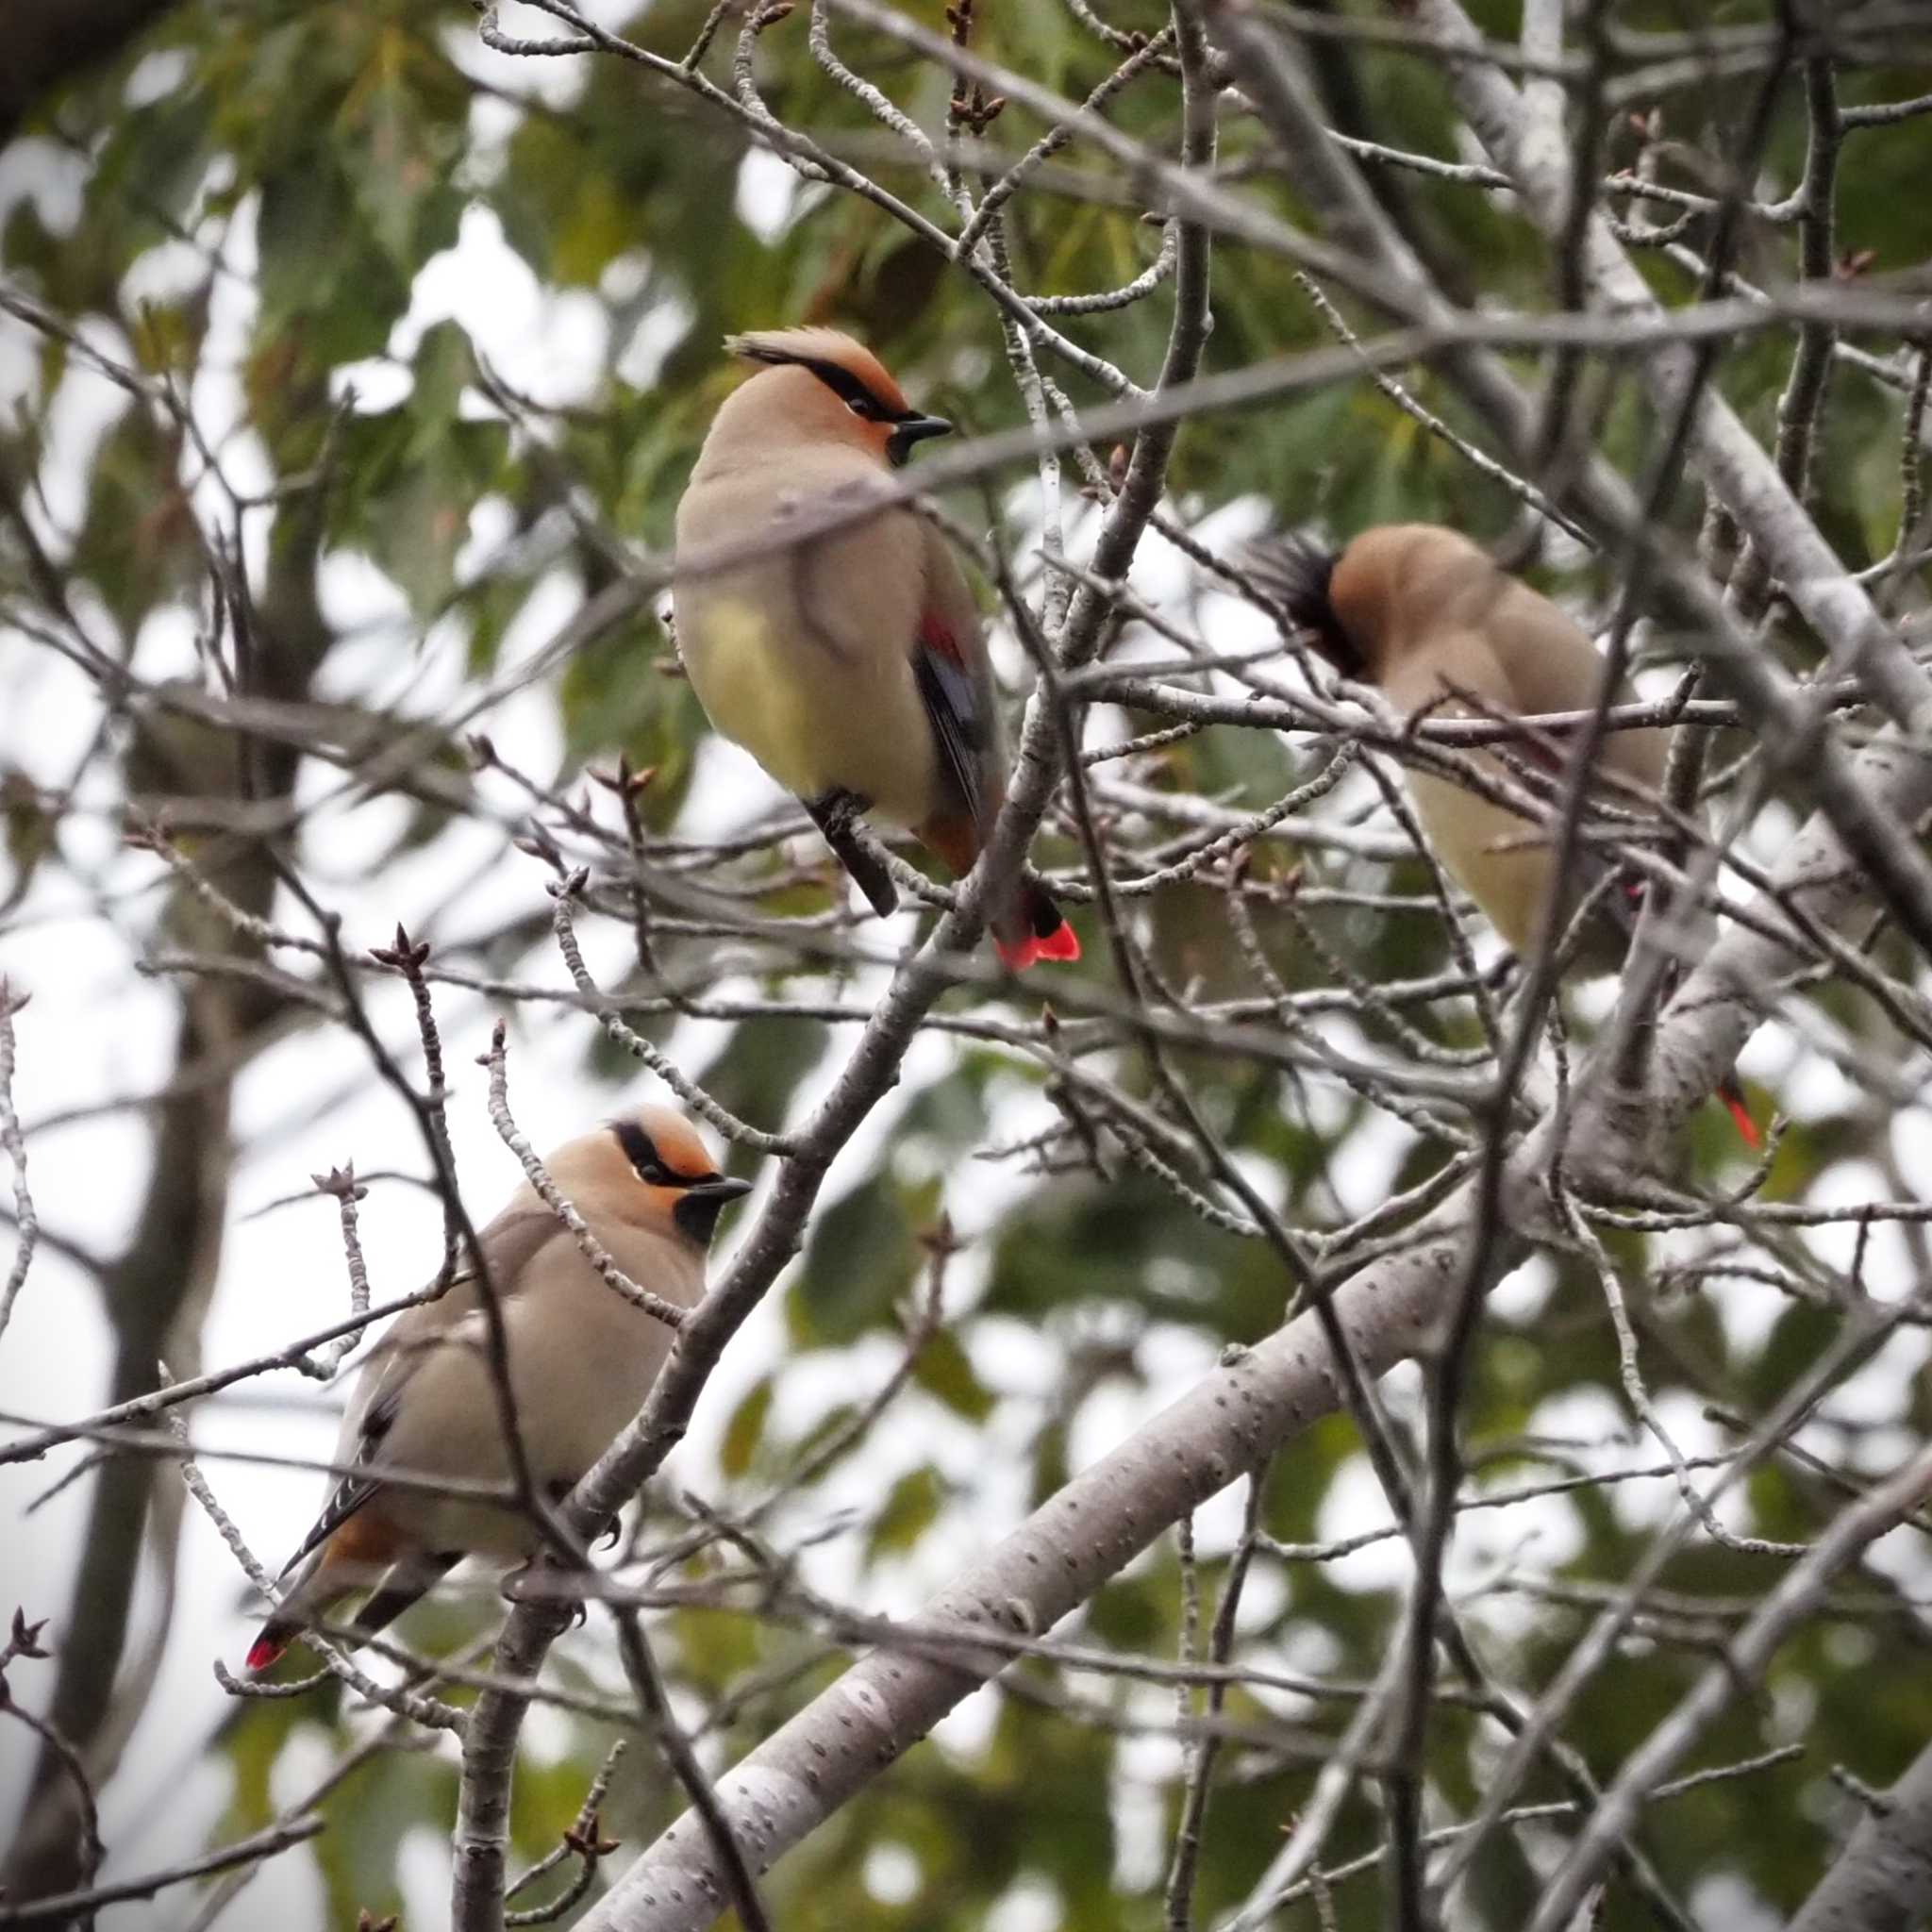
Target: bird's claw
(836, 814)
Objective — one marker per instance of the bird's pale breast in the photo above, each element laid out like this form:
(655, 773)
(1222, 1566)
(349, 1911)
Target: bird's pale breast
(737, 665)
(822, 711)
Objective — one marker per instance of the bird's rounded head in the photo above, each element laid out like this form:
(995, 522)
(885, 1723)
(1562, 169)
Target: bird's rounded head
(818, 386)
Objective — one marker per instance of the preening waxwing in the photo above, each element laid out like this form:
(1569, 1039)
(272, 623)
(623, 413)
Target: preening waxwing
(852, 666)
(1424, 614)
(581, 1361)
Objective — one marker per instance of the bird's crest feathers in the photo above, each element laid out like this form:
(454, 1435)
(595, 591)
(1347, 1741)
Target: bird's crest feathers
(1296, 571)
(833, 357)
(659, 1137)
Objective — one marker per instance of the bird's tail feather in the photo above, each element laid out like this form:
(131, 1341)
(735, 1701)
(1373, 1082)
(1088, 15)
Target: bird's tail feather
(306, 1598)
(1032, 928)
(355, 1554)
(1028, 927)
(403, 1586)
(1731, 1092)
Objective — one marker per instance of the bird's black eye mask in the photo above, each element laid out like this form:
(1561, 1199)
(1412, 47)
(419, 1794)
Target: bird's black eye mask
(701, 1197)
(641, 1152)
(909, 426)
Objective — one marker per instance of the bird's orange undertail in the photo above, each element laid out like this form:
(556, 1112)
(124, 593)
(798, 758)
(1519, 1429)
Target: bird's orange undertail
(1732, 1094)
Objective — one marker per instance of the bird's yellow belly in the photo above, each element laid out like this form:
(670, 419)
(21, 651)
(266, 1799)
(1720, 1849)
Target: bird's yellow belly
(739, 671)
(816, 719)
(1491, 852)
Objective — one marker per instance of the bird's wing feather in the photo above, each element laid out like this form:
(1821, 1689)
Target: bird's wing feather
(403, 1585)
(1551, 665)
(509, 1244)
(354, 1490)
(958, 729)
(956, 686)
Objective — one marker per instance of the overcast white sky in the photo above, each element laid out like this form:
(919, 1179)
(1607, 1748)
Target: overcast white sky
(96, 1034)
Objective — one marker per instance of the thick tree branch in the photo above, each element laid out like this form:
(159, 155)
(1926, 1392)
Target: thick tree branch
(1744, 1659)
(1252, 1406)
(1882, 1880)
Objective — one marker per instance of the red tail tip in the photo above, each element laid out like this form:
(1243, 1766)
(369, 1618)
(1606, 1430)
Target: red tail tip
(264, 1651)
(1061, 945)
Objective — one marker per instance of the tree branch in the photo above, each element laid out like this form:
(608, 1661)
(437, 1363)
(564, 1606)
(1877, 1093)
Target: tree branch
(1257, 1401)
(1882, 1880)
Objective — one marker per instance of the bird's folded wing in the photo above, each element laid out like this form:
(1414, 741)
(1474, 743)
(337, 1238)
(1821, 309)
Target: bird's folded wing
(508, 1244)
(948, 692)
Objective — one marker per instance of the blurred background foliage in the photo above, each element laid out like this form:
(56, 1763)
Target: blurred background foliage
(316, 163)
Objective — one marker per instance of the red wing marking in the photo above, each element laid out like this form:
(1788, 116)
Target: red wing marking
(935, 636)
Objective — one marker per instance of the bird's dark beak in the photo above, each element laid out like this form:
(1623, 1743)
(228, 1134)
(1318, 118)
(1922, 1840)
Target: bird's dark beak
(700, 1204)
(912, 429)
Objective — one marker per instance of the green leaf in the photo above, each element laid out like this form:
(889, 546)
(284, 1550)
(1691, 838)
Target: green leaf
(746, 1429)
(861, 1258)
(911, 1505)
(325, 284)
(945, 1369)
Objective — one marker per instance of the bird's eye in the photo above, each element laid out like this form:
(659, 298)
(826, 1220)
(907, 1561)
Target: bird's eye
(864, 407)
(639, 1149)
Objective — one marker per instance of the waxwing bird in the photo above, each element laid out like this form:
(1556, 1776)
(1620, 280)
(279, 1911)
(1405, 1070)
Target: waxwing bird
(581, 1361)
(851, 665)
(1426, 615)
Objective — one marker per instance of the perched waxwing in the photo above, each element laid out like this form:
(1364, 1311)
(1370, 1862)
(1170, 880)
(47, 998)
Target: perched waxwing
(852, 666)
(1426, 615)
(581, 1360)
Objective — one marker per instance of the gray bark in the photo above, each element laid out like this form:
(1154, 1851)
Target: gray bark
(1882, 1880)
(1248, 1408)
(885, 1703)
